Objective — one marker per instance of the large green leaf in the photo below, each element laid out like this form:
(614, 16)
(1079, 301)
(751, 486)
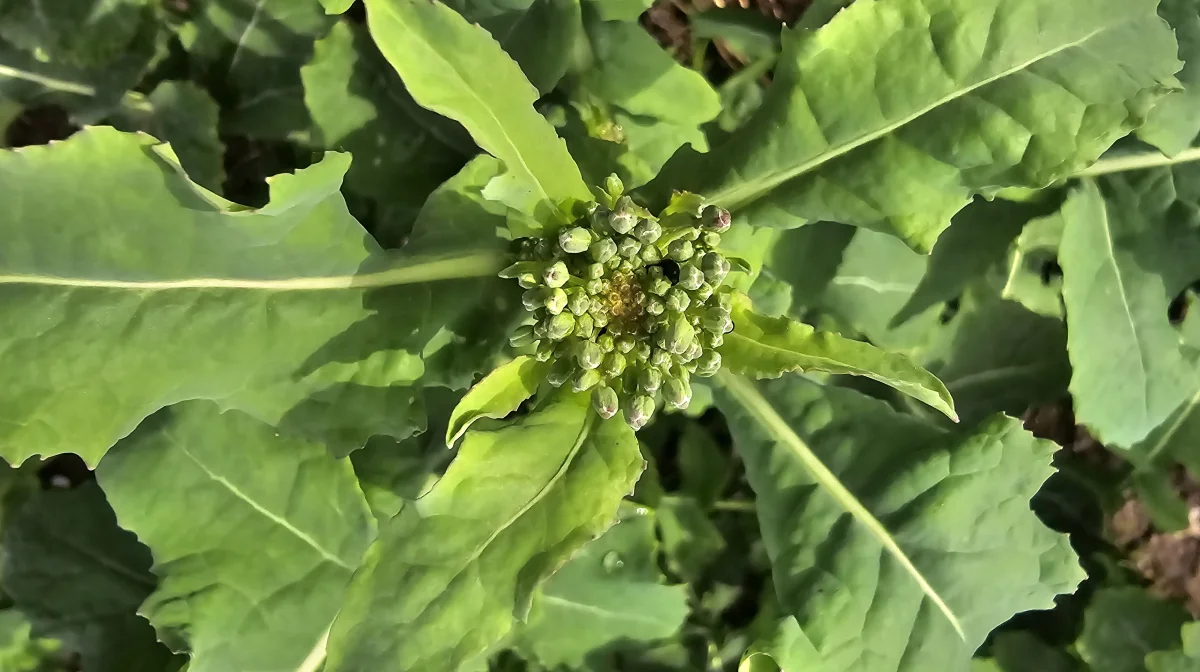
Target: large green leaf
(1123, 262)
(246, 527)
(896, 112)
(768, 347)
(80, 578)
(127, 288)
(497, 395)
(610, 592)
(540, 35)
(402, 152)
(1122, 625)
(877, 522)
(1185, 659)
(184, 115)
(1021, 651)
(453, 570)
(1174, 123)
(458, 70)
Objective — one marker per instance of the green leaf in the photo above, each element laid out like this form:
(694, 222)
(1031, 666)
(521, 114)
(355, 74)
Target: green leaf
(879, 522)
(690, 540)
(540, 35)
(894, 114)
(1174, 439)
(190, 484)
(768, 347)
(453, 570)
(80, 578)
(1122, 625)
(93, 333)
(336, 6)
(255, 48)
(1031, 261)
(184, 115)
(1021, 651)
(1186, 659)
(497, 395)
(610, 592)
(401, 151)
(1173, 124)
(619, 10)
(1129, 368)
(458, 70)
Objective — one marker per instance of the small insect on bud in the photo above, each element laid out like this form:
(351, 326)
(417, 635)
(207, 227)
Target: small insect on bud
(708, 364)
(556, 302)
(640, 412)
(625, 344)
(702, 292)
(677, 300)
(614, 364)
(528, 280)
(655, 306)
(585, 380)
(678, 392)
(522, 337)
(602, 250)
(577, 301)
(659, 286)
(679, 336)
(647, 231)
(556, 275)
(606, 343)
(716, 321)
(680, 250)
(585, 326)
(535, 298)
(690, 277)
(715, 267)
(575, 240)
(560, 372)
(715, 219)
(613, 186)
(588, 354)
(623, 219)
(651, 255)
(649, 380)
(560, 326)
(629, 247)
(594, 271)
(605, 401)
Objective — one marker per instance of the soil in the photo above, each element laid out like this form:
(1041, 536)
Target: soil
(38, 126)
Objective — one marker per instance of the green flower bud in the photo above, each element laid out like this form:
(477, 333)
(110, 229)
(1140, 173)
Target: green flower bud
(599, 315)
(659, 286)
(556, 274)
(693, 352)
(577, 301)
(560, 372)
(595, 287)
(545, 350)
(655, 306)
(560, 326)
(605, 401)
(711, 240)
(557, 301)
(629, 247)
(677, 300)
(562, 350)
(690, 234)
(679, 336)
(690, 277)
(655, 273)
(725, 301)
(606, 343)
(702, 293)
(522, 337)
(647, 231)
(535, 298)
(715, 267)
(528, 280)
(712, 340)
(614, 364)
(599, 221)
(623, 219)
(625, 344)
(613, 263)
(716, 321)
(575, 240)
(649, 380)
(640, 412)
(680, 249)
(585, 326)
(652, 323)
(708, 364)
(642, 352)
(594, 271)
(715, 219)
(651, 255)
(613, 186)
(678, 392)
(588, 354)
(626, 266)
(602, 250)
(660, 358)
(585, 380)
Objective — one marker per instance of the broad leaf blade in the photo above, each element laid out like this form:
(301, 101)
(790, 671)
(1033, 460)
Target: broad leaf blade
(1122, 625)
(458, 70)
(184, 115)
(894, 114)
(193, 485)
(452, 571)
(877, 522)
(497, 395)
(1174, 123)
(1185, 659)
(768, 347)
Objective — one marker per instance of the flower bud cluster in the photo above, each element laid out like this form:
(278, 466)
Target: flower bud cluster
(627, 305)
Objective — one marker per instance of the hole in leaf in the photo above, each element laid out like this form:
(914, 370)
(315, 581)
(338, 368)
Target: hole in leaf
(1177, 311)
(1051, 271)
(950, 310)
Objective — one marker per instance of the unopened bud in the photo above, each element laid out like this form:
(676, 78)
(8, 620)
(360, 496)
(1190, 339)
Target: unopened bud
(560, 326)
(613, 186)
(595, 287)
(649, 380)
(640, 412)
(605, 401)
(715, 219)
(614, 364)
(588, 354)
(677, 300)
(545, 351)
(715, 267)
(659, 286)
(556, 274)
(594, 271)
(712, 340)
(680, 250)
(655, 306)
(575, 240)
(702, 292)
(585, 326)
(556, 302)
(660, 359)
(606, 343)
(535, 298)
(711, 240)
(560, 372)
(647, 231)
(708, 364)
(585, 380)
(679, 336)
(716, 321)
(522, 337)
(623, 219)
(642, 352)
(690, 277)
(599, 314)
(602, 250)
(528, 280)
(678, 392)
(577, 301)
(651, 255)
(629, 247)
(625, 344)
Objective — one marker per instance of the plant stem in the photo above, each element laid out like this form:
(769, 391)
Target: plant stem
(740, 506)
(1138, 161)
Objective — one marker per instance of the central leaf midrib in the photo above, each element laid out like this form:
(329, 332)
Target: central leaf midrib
(747, 192)
(599, 611)
(773, 424)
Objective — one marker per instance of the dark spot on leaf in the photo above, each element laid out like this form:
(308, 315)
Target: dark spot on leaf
(39, 126)
(1051, 271)
(1177, 311)
(950, 310)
